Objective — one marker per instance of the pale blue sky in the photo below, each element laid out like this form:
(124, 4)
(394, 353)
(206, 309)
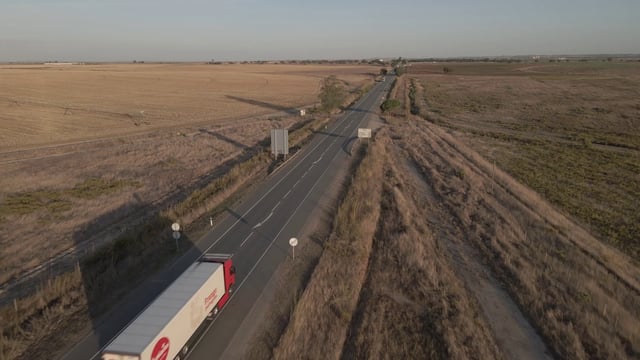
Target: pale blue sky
(199, 30)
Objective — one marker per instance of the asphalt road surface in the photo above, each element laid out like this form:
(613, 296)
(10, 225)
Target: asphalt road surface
(256, 231)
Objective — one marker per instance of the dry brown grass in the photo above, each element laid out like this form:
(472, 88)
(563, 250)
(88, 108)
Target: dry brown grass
(384, 295)
(319, 324)
(53, 104)
(413, 304)
(179, 147)
(582, 295)
(570, 131)
(53, 313)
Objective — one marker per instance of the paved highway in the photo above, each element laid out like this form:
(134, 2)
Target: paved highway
(256, 231)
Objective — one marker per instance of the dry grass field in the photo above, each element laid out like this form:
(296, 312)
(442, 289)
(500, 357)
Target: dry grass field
(570, 131)
(86, 149)
(467, 261)
(64, 103)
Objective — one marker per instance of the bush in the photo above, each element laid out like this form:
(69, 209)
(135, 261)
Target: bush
(414, 109)
(331, 94)
(390, 104)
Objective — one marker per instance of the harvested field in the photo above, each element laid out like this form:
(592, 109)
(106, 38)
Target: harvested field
(581, 295)
(570, 131)
(42, 105)
(87, 150)
(566, 280)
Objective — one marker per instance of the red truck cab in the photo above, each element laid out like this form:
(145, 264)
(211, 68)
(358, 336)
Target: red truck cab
(229, 277)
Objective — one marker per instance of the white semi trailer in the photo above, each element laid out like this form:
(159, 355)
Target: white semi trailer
(165, 329)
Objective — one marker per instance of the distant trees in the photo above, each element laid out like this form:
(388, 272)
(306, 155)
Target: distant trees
(383, 71)
(331, 94)
(399, 62)
(446, 70)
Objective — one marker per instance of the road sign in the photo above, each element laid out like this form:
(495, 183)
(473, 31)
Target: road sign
(293, 242)
(364, 133)
(279, 142)
(176, 233)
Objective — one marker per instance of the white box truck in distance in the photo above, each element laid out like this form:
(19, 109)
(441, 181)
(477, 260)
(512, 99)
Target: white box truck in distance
(165, 329)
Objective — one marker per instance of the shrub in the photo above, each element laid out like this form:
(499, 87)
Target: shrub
(390, 104)
(331, 94)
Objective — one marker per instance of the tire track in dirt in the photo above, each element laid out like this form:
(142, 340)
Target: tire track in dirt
(513, 334)
(413, 304)
(578, 293)
(614, 262)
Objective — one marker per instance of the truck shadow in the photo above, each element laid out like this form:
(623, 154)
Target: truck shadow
(122, 275)
(263, 104)
(347, 145)
(224, 138)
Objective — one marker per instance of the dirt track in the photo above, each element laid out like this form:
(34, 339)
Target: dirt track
(579, 294)
(513, 333)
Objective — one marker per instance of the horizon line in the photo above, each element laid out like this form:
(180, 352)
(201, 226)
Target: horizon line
(384, 58)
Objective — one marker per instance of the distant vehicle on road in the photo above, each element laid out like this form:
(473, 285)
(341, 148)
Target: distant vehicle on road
(168, 327)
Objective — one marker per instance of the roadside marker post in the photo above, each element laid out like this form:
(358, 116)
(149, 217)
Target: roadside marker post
(293, 242)
(176, 233)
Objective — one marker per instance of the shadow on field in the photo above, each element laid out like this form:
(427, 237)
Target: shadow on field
(288, 110)
(113, 277)
(225, 139)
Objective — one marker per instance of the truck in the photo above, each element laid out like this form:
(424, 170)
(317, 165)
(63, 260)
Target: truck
(168, 326)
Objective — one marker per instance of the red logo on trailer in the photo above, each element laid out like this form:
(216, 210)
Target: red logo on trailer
(161, 350)
(208, 301)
